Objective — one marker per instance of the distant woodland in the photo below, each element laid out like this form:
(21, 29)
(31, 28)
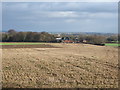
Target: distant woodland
(14, 36)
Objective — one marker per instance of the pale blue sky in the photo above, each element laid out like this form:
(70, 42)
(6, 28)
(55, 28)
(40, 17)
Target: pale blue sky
(61, 16)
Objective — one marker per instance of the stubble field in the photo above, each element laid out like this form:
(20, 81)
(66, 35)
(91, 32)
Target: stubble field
(70, 65)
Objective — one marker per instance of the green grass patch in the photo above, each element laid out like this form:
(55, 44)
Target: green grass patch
(112, 44)
(21, 43)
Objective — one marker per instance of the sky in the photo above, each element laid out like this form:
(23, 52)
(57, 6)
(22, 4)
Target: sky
(60, 16)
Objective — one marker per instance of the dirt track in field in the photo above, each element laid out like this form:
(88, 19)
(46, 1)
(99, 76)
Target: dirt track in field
(72, 65)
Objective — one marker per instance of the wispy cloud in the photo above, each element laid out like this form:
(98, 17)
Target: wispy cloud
(68, 14)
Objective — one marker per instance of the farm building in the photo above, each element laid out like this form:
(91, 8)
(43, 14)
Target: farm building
(67, 41)
(64, 40)
(84, 41)
(58, 39)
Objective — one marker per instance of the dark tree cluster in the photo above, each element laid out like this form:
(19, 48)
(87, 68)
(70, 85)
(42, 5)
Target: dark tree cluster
(90, 39)
(112, 39)
(13, 36)
(94, 38)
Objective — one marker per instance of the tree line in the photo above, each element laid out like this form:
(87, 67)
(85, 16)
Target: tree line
(13, 36)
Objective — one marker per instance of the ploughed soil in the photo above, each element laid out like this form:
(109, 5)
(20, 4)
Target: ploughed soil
(71, 66)
(28, 46)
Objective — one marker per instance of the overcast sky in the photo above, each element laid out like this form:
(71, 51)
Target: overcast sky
(61, 16)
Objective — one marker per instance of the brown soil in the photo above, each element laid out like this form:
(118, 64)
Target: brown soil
(27, 46)
(72, 66)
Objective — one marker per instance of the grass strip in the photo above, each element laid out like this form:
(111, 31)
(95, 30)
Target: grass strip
(112, 44)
